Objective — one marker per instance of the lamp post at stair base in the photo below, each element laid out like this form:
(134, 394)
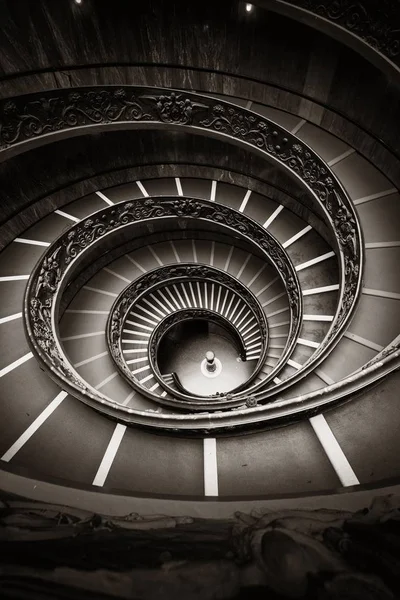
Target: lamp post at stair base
(211, 365)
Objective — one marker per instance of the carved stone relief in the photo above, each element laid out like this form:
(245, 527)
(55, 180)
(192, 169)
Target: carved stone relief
(313, 554)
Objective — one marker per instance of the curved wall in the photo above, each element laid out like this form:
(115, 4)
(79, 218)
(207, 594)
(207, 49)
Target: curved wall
(368, 26)
(30, 177)
(54, 38)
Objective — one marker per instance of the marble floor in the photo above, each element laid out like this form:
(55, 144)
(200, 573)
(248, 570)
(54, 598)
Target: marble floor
(183, 352)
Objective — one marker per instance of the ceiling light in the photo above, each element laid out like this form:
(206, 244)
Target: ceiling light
(249, 7)
(78, 1)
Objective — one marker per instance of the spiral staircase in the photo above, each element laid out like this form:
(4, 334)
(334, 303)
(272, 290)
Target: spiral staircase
(284, 237)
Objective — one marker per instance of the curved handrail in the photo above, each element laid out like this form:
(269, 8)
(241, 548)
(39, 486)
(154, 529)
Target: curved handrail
(52, 273)
(181, 316)
(176, 109)
(369, 26)
(160, 278)
(47, 276)
(36, 119)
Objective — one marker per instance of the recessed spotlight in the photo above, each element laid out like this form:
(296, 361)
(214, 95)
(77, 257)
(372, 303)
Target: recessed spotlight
(249, 7)
(78, 1)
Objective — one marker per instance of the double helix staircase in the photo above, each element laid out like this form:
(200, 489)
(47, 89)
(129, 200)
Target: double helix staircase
(54, 436)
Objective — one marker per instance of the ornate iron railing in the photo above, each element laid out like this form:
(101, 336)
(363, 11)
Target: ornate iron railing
(374, 22)
(47, 277)
(56, 268)
(33, 120)
(38, 118)
(159, 279)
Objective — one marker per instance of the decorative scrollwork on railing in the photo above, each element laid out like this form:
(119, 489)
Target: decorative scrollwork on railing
(40, 308)
(46, 114)
(41, 318)
(391, 350)
(161, 276)
(32, 118)
(52, 273)
(160, 279)
(375, 22)
(315, 174)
